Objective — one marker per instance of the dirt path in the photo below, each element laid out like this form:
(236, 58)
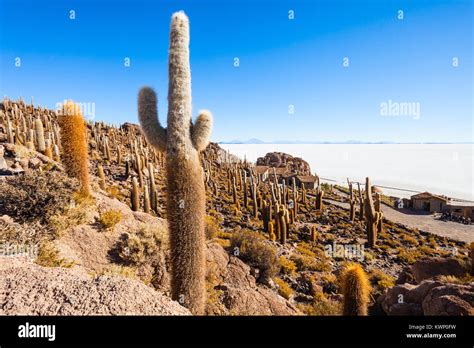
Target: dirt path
(424, 222)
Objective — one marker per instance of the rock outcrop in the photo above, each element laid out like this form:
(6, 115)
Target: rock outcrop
(429, 298)
(29, 289)
(283, 160)
(237, 289)
(428, 293)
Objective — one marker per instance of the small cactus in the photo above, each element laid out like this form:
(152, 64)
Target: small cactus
(356, 290)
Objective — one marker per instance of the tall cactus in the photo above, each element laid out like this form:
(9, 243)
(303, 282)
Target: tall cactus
(74, 144)
(372, 217)
(40, 135)
(182, 141)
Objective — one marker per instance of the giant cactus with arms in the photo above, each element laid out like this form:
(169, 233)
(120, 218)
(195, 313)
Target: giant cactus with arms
(182, 140)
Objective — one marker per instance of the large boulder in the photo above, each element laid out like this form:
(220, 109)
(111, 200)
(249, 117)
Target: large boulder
(429, 298)
(29, 289)
(450, 299)
(433, 267)
(237, 291)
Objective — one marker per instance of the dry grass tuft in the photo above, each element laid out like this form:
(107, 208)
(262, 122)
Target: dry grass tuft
(110, 218)
(48, 256)
(283, 288)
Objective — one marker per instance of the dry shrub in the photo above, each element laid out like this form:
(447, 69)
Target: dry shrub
(322, 306)
(252, 248)
(136, 248)
(212, 227)
(308, 263)
(48, 256)
(110, 218)
(36, 196)
(283, 288)
(381, 280)
(409, 256)
(287, 266)
(214, 304)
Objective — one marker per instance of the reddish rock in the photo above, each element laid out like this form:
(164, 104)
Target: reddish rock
(283, 160)
(241, 294)
(450, 299)
(436, 266)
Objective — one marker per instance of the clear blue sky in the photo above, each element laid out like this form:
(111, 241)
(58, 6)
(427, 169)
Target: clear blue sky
(282, 62)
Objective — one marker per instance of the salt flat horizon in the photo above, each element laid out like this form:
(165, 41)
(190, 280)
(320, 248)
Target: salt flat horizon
(445, 169)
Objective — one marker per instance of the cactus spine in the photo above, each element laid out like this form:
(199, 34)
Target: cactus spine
(182, 141)
(356, 290)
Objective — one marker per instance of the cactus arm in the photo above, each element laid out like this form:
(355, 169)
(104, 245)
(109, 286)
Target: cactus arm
(148, 115)
(201, 130)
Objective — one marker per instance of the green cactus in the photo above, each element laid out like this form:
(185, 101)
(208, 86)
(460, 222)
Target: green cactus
(182, 141)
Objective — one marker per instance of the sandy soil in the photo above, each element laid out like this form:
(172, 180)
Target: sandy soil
(424, 222)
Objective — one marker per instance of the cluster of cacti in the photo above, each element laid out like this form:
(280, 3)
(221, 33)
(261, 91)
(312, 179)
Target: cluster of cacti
(355, 289)
(182, 141)
(74, 145)
(31, 127)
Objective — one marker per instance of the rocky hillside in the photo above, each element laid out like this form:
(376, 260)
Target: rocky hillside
(271, 249)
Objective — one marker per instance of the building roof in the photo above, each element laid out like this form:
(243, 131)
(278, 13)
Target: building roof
(427, 195)
(307, 178)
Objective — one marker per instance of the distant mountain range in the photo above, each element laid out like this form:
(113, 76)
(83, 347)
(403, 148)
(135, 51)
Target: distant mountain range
(258, 141)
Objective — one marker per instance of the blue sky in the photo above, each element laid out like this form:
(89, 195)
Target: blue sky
(283, 62)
